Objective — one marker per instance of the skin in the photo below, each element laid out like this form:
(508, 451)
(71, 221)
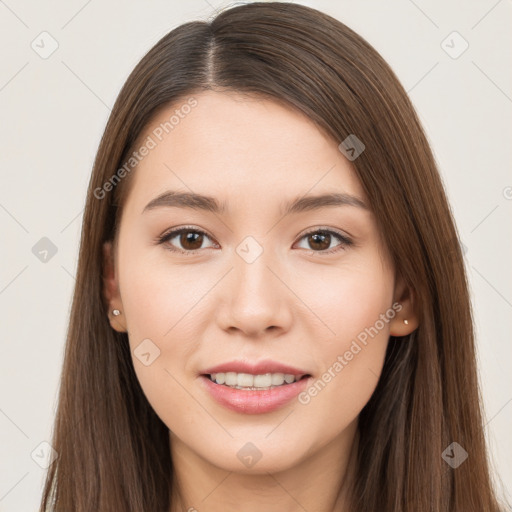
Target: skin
(293, 304)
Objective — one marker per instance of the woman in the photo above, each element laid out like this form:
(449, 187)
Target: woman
(271, 310)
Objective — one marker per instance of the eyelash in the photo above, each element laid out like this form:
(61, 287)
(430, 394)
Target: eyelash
(344, 240)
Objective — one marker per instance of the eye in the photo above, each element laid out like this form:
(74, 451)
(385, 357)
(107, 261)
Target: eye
(190, 239)
(319, 240)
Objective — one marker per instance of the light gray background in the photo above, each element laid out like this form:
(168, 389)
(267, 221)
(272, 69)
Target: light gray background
(54, 111)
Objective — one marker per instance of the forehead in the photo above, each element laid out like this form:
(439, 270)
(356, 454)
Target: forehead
(238, 148)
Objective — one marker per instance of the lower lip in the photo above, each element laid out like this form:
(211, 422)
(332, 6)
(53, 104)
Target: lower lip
(253, 401)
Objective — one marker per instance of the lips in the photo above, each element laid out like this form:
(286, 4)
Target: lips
(252, 400)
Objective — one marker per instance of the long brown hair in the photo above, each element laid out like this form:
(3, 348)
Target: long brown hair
(113, 450)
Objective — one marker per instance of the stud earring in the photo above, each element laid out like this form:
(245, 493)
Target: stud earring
(116, 312)
(406, 322)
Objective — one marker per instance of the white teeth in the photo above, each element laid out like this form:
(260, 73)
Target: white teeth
(263, 381)
(277, 379)
(231, 379)
(247, 380)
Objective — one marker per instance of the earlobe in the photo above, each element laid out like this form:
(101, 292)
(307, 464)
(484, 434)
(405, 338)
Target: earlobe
(406, 319)
(111, 290)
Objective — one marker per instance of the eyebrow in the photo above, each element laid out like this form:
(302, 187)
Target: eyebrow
(300, 204)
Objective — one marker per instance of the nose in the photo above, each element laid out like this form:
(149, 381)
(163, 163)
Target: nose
(255, 299)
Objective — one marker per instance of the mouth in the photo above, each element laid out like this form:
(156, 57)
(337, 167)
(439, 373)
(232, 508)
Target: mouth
(248, 393)
(254, 387)
(251, 382)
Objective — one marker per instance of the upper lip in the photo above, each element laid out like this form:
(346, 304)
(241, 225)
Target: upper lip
(258, 368)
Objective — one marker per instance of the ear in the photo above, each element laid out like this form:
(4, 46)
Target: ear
(111, 289)
(406, 319)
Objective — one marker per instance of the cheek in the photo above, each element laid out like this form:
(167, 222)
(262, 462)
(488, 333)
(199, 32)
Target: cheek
(354, 304)
(346, 299)
(160, 297)
(161, 337)
(163, 305)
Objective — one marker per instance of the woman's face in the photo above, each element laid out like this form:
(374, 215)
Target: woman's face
(253, 284)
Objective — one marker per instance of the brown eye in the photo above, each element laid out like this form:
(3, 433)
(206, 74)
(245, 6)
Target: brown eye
(320, 241)
(185, 240)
